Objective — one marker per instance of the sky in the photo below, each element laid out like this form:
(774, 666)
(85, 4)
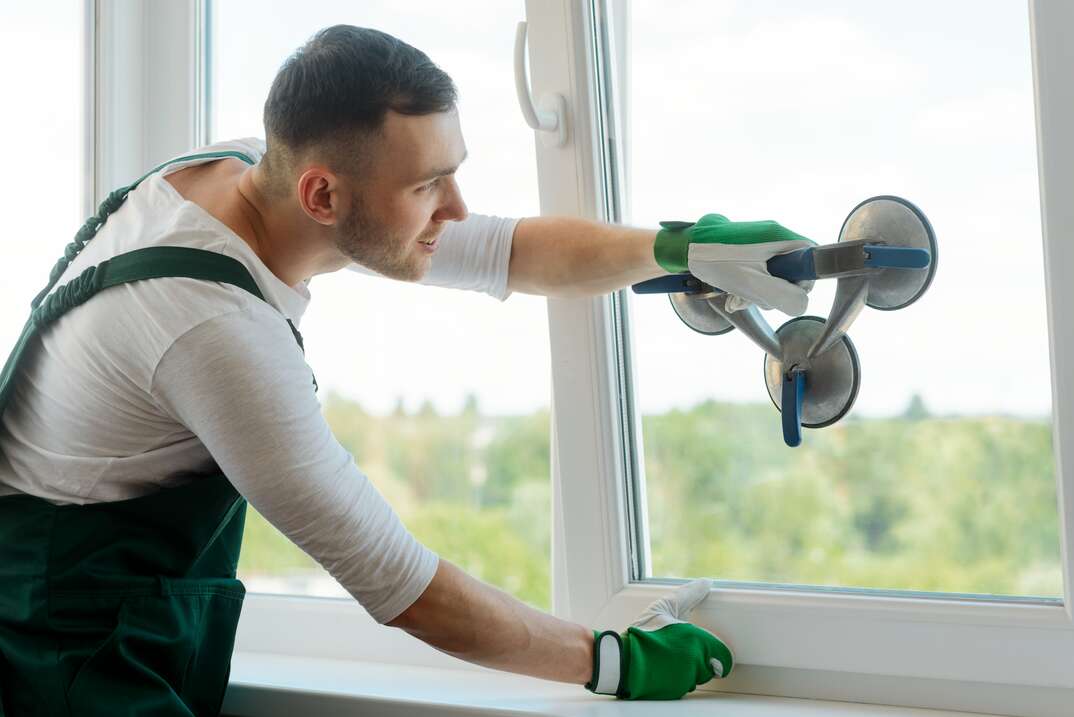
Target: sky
(757, 110)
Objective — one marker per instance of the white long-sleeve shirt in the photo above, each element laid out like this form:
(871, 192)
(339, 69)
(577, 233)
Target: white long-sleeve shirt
(150, 384)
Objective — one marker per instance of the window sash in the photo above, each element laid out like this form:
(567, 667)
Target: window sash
(851, 634)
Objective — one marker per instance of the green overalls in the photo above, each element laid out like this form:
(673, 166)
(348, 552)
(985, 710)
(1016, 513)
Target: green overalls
(127, 607)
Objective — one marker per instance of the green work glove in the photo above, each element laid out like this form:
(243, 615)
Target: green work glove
(660, 656)
(733, 256)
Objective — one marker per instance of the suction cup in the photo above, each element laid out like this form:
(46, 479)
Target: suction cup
(831, 379)
(898, 223)
(697, 313)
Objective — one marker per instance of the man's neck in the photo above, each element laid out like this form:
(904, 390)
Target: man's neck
(281, 234)
(278, 233)
(267, 233)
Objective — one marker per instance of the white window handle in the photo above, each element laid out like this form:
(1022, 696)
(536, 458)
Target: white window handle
(550, 119)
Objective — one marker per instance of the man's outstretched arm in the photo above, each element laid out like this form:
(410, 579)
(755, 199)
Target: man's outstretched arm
(660, 656)
(478, 623)
(566, 257)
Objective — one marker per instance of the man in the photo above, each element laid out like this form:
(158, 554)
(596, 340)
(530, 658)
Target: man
(160, 384)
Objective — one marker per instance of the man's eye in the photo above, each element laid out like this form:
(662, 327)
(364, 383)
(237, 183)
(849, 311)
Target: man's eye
(429, 186)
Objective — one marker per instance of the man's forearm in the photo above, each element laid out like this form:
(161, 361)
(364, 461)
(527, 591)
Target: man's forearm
(478, 623)
(566, 257)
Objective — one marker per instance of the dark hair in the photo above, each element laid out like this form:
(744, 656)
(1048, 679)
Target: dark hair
(342, 82)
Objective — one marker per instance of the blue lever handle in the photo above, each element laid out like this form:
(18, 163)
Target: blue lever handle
(800, 265)
(896, 257)
(670, 284)
(791, 406)
(794, 266)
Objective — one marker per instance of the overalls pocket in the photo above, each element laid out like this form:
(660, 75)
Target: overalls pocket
(168, 654)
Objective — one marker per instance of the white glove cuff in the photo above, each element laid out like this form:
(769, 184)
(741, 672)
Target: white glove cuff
(607, 665)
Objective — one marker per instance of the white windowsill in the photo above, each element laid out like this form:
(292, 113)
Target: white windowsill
(265, 685)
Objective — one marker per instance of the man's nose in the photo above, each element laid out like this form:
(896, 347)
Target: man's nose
(453, 208)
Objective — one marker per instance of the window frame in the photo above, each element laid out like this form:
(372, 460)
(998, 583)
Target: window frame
(148, 84)
(913, 651)
(866, 638)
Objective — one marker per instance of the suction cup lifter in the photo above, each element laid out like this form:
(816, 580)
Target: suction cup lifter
(885, 258)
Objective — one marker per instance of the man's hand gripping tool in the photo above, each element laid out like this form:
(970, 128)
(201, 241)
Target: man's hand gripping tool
(885, 257)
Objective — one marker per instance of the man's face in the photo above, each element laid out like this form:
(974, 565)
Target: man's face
(398, 209)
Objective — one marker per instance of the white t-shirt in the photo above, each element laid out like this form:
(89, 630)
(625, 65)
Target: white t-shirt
(152, 383)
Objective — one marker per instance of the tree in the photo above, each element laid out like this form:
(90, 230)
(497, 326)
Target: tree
(470, 405)
(916, 410)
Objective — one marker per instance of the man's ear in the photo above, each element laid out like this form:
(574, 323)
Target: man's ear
(318, 195)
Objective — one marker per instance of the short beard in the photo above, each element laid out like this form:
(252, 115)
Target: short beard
(367, 242)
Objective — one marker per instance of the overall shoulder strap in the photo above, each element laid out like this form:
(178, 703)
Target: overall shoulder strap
(111, 203)
(148, 263)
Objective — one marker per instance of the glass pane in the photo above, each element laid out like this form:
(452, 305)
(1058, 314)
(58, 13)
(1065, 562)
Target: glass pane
(442, 396)
(941, 478)
(42, 182)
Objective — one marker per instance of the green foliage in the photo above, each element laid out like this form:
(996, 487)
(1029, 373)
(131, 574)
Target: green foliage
(474, 488)
(949, 505)
(918, 502)
(266, 551)
(517, 455)
(486, 544)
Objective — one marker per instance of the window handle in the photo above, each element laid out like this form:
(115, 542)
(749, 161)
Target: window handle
(550, 117)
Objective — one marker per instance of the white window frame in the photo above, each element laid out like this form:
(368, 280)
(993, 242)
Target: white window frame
(957, 654)
(148, 77)
(917, 651)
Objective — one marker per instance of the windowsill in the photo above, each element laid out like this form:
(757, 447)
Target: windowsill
(265, 685)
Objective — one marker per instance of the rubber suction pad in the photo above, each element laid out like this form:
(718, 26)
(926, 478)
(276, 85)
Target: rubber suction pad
(895, 222)
(831, 380)
(697, 313)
